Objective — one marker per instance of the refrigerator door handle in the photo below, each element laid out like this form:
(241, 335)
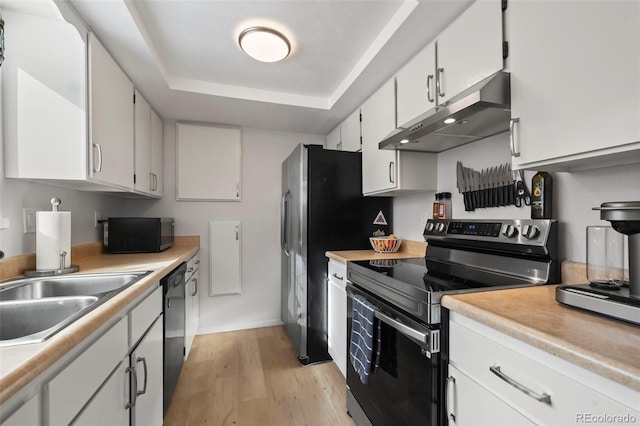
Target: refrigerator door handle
(283, 223)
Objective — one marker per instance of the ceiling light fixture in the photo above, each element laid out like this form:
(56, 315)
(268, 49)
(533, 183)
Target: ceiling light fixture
(264, 44)
(449, 120)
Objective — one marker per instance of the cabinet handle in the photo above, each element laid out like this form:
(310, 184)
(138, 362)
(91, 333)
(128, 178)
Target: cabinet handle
(391, 168)
(99, 168)
(197, 262)
(451, 382)
(195, 290)
(512, 137)
(134, 376)
(338, 277)
(190, 269)
(543, 397)
(439, 83)
(237, 233)
(237, 189)
(144, 386)
(429, 84)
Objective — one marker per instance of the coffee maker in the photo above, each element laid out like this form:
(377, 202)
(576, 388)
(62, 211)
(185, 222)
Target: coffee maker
(623, 302)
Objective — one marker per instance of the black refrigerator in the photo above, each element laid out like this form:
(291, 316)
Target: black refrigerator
(322, 208)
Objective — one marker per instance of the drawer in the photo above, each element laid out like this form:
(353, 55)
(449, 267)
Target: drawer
(473, 352)
(338, 272)
(143, 315)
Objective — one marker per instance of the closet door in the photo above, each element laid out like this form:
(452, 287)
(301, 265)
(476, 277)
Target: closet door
(224, 258)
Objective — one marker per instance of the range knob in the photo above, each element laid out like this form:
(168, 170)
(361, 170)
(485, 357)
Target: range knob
(430, 226)
(510, 231)
(440, 227)
(530, 231)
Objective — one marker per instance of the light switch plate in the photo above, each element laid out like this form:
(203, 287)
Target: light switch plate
(29, 220)
(4, 222)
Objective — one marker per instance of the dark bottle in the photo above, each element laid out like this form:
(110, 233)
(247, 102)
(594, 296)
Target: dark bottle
(541, 196)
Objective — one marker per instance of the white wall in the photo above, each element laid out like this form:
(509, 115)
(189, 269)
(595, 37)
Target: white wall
(574, 195)
(259, 212)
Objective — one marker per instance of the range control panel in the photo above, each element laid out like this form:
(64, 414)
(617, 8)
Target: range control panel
(512, 231)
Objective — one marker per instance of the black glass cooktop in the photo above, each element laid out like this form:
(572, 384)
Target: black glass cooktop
(416, 273)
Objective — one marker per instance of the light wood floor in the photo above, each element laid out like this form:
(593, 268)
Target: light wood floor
(252, 377)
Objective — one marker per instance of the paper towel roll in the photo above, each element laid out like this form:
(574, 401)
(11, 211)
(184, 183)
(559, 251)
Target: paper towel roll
(53, 235)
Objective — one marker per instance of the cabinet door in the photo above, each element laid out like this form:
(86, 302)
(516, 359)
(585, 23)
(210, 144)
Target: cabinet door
(147, 360)
(350, 133)
(224, 258)
(574, 92)
(337, 315)
(157, 155)
(67, 394)
(468, 403)
(28, 414)
(44, 97)
(470, 49)
(111, 119)
(379, 167)
(142, 112)
(109, 406)
(415, 85)
(333, 138)
(208, 162)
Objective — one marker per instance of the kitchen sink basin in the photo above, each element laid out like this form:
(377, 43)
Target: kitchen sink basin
(34, 309)
(30, 321)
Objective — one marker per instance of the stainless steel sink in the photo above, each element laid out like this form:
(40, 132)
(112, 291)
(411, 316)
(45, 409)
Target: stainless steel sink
(34, 309)
(71, 285)
(30, 321)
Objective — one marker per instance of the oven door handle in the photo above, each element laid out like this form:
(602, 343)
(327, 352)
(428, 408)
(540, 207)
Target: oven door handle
(403, 328)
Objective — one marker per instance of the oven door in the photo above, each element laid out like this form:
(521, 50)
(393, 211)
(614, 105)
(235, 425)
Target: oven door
(404, 390)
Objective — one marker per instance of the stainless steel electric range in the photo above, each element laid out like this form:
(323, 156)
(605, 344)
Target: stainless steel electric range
(407, 387)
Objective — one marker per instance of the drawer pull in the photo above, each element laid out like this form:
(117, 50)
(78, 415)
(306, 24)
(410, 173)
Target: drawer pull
(451, 382)
(543, 397)
(336, 276)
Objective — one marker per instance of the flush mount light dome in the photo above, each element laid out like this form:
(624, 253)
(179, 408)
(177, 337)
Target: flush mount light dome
(264, 44)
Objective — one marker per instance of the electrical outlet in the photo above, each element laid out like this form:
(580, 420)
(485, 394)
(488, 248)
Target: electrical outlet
(96, 218)
(29, 220)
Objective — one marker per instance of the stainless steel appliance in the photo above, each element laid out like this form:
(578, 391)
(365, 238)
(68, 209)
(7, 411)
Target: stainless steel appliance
(138, 234)
(322, 209)
(173, 308)
(462, 256)
(619, 302)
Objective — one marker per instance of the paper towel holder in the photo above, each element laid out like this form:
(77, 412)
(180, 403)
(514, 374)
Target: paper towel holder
(50, 272)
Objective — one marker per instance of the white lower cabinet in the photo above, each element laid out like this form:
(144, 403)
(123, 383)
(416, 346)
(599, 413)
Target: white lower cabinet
(118, 380)
(146, 362)
(497, 379)
(192, 305)
(28, 414)
(337, 316)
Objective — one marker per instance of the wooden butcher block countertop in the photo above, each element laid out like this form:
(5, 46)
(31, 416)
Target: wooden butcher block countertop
(20, 365)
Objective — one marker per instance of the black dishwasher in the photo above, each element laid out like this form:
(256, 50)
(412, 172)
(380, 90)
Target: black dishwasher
(173, 308)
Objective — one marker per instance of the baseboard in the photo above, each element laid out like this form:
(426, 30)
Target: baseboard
(235, 327)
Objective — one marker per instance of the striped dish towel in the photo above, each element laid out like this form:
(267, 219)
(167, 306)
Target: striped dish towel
(364, 348)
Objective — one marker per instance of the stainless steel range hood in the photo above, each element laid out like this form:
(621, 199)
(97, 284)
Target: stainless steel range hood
(480, 111)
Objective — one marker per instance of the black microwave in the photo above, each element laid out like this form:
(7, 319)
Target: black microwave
(138, 234)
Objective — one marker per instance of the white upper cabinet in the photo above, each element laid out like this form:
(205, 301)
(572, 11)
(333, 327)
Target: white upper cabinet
(415, 85)
(208, 162)
(388, 172)
(350, 133)
(157, 155)
(575, 83)
(465, 53)
(142, 113)
(44, 99)
(111, 119)
(333, 138)
(346, 136)
(470, 49)
(148, 148)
